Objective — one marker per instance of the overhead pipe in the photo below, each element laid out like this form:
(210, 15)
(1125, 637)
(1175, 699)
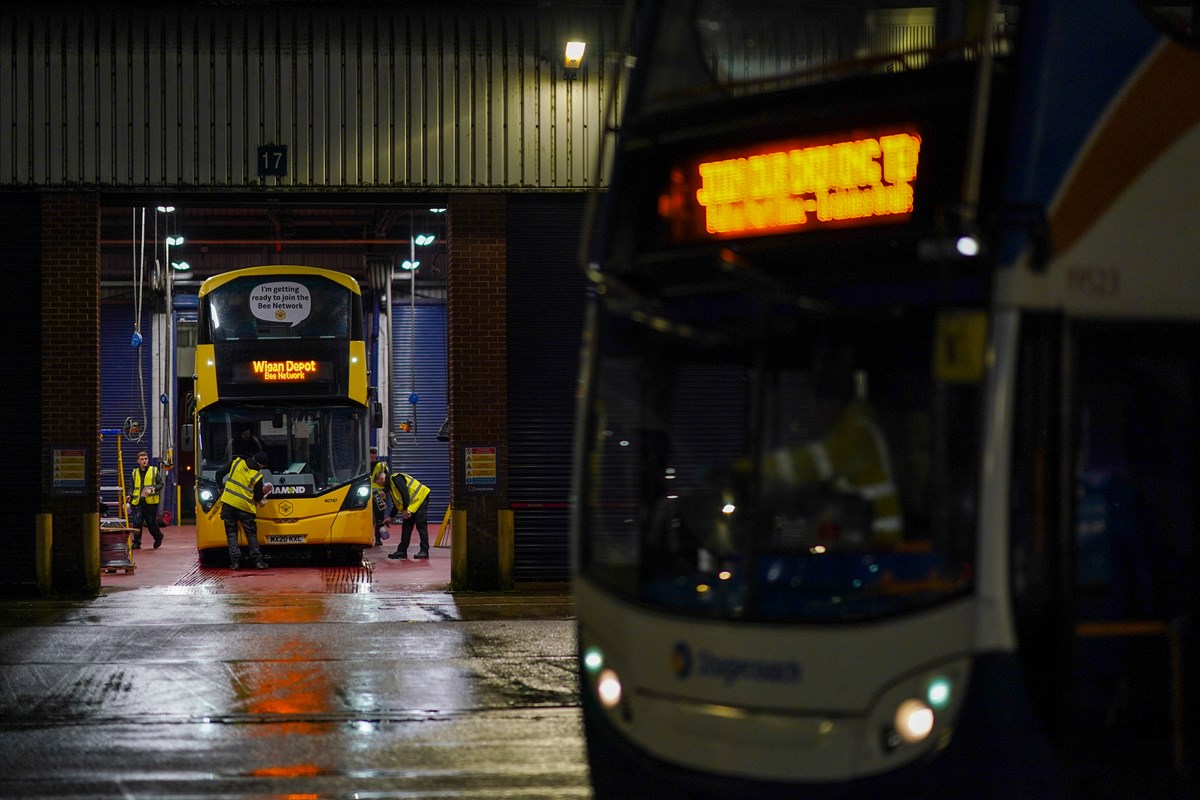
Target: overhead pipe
(278, 242)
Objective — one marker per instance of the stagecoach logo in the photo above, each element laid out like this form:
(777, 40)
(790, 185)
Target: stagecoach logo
(285, 508)
(731, 669)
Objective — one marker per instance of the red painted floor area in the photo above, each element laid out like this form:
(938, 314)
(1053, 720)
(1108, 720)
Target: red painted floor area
(176, 564)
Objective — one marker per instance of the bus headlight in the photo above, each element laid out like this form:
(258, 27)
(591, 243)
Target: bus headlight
(358, 496)
(918, 712)
(605, 679)
(913, 721)
(206, 497)
(938, 693)
(593, 660)
(608, 688)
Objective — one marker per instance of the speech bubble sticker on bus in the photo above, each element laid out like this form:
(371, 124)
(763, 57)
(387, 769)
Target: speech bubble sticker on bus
(284, 301)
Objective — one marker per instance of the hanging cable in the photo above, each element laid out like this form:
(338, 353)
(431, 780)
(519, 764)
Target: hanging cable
(133, 430)
(166, 356)
(413, 398)
(137, 294)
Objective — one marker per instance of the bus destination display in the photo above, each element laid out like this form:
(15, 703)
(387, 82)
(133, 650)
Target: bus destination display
(791, 186)
(280, 371)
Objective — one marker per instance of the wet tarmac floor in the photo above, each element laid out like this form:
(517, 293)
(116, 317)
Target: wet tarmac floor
(176, 564)
(323, 683)
(308, 681)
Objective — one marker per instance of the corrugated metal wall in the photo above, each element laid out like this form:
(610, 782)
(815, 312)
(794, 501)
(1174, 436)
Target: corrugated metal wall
(546, 291)
(362, 94)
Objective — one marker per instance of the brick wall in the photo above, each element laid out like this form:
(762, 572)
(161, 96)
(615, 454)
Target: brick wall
(478, 392)
(70, 382)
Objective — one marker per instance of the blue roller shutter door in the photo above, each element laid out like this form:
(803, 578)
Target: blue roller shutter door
(126, 394)
(420, 454)
(546, 288)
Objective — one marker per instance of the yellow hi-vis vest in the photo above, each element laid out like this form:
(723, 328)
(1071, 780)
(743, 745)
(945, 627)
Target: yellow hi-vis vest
(854, 455)
(239, 488)
(379, 467)
(151, 479)
(417, 492)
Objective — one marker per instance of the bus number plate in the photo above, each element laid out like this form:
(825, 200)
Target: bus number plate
(296, 539)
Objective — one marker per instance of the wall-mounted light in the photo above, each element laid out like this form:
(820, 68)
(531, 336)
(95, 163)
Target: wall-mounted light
(180, 266)
(424, 238)
(166, 209)
(174, 241)
(573, 59)
(410, 264)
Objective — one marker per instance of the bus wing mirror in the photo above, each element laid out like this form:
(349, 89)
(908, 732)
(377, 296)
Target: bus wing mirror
(376, 414)
(187, 436)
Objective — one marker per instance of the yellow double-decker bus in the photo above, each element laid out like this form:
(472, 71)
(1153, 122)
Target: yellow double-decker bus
(281, 368)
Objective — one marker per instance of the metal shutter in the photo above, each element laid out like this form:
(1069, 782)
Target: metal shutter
(124, 394)
(420, 455)
(546, 289)
(21, 232)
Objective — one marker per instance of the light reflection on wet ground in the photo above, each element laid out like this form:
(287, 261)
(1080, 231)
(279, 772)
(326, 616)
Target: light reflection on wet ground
(149, 693)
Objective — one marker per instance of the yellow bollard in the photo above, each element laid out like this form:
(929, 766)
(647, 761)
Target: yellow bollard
(504, 535)
(44, 552)
(458, 550)
(91, 551)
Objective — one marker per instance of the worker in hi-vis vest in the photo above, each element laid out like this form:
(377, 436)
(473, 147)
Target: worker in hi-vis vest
(409, 498)
(245, 491)
(379, 476)
(148, 483)
(851, 457)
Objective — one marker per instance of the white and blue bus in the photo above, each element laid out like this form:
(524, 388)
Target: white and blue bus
(887, 461)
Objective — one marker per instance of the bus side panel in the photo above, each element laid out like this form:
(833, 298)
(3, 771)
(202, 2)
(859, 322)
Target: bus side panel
(206, 376)
(210, 529)
(358, 376)
(353, 527)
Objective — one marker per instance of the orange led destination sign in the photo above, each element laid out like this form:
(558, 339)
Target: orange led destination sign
(279, 371)
(790, 186)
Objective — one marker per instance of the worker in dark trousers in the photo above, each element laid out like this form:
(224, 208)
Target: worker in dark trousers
(379, 481)
(245, 491)
(409, 498)
(144, 500)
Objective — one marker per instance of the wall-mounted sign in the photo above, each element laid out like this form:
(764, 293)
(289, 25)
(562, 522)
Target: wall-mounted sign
(68, 470)
(791, 186)
(272, 160)
(480, 466)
